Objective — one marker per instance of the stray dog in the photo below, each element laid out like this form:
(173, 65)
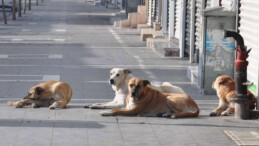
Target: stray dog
(119, 79)
(143, 100)
(50, 94)
(225, 87)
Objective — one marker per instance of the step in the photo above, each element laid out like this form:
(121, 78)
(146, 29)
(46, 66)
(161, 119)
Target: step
(152, 41)
(146, 33)
(142, 26)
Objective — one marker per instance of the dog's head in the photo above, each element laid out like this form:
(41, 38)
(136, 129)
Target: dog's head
(136, 87)
(118, 75)
(223, 80)
(34, 93)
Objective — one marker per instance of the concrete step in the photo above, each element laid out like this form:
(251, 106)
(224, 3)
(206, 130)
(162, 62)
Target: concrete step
(142, 26)
(158, 40)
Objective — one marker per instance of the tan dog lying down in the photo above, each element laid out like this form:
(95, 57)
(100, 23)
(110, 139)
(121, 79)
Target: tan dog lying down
(143, 100)
(225, 87)
(50, 94)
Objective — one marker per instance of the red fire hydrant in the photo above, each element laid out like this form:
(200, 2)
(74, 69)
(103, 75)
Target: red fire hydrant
(242, 98)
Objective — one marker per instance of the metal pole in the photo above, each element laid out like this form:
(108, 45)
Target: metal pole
(172, 20)
(183, 22)
(24, 6)
(20, 8)
(192, 34)
(37, 2)
(14, 10)
(29, 4)
(242, 98)
(159, 11)
(164, 16)
(202, 49)
(4, 13)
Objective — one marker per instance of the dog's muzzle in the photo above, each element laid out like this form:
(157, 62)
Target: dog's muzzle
(111, 81)
(133, 94)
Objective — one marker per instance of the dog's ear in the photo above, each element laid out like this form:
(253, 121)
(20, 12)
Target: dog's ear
(38, 90)
(127, 71)
(146, 82)
(222, 80)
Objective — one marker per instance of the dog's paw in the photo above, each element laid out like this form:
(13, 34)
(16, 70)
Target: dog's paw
(87, 106)
(34, 105)
(106, 113)
(213, 114)
(19, 105)
(225, 113)
(96, 107)
(51, 107)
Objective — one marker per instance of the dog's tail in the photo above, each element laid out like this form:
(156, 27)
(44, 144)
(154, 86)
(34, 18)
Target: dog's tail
(169, 88)
(12, 103)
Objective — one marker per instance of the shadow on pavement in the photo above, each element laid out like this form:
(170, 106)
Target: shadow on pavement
(50, 123)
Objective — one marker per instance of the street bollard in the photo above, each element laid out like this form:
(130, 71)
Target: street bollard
(24, 6)
(242, 98)
(29, 4)
(20, 8)
(14, 10)
(4, 12)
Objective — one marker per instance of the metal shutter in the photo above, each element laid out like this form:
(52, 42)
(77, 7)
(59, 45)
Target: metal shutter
(153, 10)
(142, 2)
(164, 15)
(198, 24)
(156, 14)
(168, 12)
(177, 19)
(171, 26)
(149, 11)
(249, 29)
(208, 3)
(227, 4)
(187, 28)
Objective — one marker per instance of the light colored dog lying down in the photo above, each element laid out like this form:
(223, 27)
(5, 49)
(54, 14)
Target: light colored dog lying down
(52, 94)
(119, 79)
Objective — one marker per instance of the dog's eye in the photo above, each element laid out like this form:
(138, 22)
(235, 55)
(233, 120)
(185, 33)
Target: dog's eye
(118, 75)
(29, 94)
(137, 86)
(131, 85)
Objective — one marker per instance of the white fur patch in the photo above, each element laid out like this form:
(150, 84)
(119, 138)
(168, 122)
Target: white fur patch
(15, 104)
(131, 104)
(106, 113)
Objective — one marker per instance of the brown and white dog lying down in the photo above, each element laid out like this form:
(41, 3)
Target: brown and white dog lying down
(50, 94)
(143, 100)
(225, 87)
(119, 79)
